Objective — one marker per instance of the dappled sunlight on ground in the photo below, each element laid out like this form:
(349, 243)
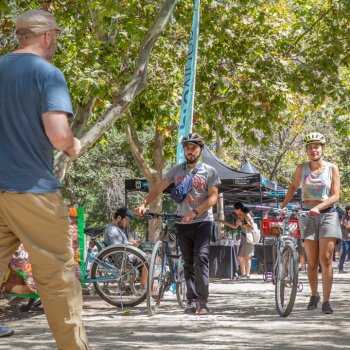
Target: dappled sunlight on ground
(243, 315)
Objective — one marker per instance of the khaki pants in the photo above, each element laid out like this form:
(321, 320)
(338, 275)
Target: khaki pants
(40, 222)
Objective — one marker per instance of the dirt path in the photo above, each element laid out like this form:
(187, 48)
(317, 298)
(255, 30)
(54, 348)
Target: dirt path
(242, 315)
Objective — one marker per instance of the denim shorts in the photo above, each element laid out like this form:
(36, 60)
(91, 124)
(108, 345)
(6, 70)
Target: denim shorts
(325, 225)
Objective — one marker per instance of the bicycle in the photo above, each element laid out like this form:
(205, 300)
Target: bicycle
(166, 266)
(285, 272)
(115, 272)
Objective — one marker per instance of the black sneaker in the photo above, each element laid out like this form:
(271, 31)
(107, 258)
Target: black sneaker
(326, 308)
(202, 308)
(191, 308)
(314, 300)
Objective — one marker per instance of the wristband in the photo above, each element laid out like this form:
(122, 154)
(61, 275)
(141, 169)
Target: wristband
(195, 211)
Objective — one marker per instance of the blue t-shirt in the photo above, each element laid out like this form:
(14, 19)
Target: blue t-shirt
(29, 87)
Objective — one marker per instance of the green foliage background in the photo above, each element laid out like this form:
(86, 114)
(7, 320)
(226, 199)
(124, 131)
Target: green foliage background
(268, 73)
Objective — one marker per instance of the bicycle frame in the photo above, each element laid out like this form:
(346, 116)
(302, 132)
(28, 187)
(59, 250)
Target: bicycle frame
(165, 254)
(280, 243)
(285, 272)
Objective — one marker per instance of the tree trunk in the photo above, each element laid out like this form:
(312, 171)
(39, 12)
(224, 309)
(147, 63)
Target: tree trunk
(152, 174)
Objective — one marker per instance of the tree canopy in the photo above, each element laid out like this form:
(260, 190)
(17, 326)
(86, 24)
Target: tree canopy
(268, 72)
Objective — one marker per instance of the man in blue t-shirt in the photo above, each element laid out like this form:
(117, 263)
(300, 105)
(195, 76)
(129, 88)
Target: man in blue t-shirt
(34, 105)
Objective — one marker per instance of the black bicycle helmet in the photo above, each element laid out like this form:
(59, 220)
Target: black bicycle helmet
(193, 138)
(314, 137)
(123, 212)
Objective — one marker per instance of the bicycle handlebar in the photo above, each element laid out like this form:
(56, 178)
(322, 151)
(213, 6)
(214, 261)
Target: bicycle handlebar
(165, 215)
(285, 212)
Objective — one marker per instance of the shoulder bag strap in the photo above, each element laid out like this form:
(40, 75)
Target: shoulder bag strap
(194, 171)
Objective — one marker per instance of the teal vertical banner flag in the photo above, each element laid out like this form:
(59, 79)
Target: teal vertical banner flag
(186, 113)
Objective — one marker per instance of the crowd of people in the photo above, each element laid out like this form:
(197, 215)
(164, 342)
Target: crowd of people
(34, 110)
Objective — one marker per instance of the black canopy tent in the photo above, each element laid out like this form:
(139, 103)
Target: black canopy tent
(244, 185)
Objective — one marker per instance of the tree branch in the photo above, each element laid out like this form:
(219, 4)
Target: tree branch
(81, 117)
(135, 86)
(308, 30)
(135, 148)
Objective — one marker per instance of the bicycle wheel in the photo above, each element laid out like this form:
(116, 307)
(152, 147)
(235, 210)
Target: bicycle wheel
(118, 272)
(158, 279)
(286, 279)
(181, 288)
(100, 245)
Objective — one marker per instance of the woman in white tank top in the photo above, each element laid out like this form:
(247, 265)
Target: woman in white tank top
(320, 187)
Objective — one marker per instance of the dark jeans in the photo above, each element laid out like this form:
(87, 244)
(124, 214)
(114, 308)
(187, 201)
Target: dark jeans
(194, 241)
(345, 252)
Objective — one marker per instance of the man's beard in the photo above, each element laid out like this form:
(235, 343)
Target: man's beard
(192, 161)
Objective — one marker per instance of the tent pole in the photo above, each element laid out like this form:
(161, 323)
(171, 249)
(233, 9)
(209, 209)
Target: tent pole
(260, 186)
(221, 214)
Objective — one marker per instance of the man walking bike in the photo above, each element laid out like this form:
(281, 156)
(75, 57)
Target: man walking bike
(195, 229)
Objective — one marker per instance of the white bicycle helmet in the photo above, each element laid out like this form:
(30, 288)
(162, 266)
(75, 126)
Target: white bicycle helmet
(314, 137)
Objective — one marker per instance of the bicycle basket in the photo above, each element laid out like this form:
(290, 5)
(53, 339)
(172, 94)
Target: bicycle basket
(274, 227)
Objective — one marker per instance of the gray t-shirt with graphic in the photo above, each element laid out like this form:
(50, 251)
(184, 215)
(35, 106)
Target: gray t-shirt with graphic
(205, 178)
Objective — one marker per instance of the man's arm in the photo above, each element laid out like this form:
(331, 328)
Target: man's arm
(59, 133)
(208, 203)
(151, 196)
(213, 193)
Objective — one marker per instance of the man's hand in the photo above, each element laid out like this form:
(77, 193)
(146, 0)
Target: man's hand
(188, 217)
(134, 243)
(75, 149)
(140, 211)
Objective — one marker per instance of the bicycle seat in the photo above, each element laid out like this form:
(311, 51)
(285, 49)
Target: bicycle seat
(94, 231)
